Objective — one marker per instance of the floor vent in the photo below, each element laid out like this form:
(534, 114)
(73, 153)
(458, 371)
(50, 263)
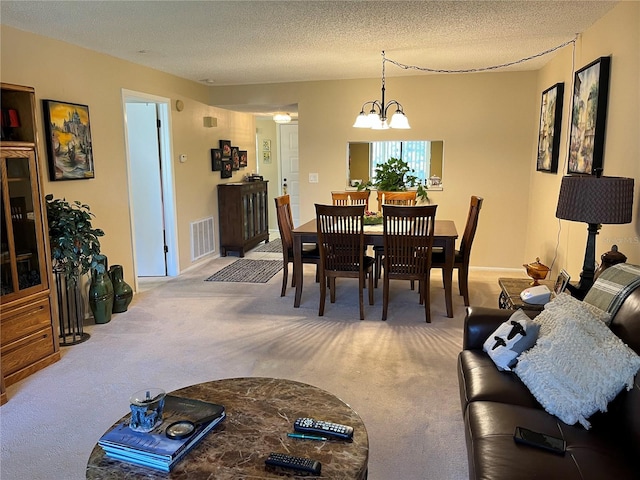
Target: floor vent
(202, 238)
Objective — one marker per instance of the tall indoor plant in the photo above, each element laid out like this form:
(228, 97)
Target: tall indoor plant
(75, 250)
(395, 175)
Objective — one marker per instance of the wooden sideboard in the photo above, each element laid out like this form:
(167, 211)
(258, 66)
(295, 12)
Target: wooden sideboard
(243, 216)
(28, 336)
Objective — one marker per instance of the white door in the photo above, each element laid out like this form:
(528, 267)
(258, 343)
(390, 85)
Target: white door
(289, 166)
(148, 219)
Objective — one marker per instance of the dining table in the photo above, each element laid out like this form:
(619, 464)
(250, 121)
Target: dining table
(445, 235)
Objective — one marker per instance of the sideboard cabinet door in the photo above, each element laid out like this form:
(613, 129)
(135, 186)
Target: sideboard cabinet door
(243, 216)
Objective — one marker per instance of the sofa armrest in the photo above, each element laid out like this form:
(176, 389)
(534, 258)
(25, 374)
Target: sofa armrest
(479, 323)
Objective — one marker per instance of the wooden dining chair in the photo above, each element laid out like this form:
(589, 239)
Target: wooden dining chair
(310, 253)
(341, 241)
(462, 256)
(390, 198)
(408, 245)
(351, 198)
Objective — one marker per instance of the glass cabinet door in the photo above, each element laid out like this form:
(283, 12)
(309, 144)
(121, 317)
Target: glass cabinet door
(21, 250)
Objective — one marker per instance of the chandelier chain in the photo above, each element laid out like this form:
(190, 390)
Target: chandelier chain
(479, 69)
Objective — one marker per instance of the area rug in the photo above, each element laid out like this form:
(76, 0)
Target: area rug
(248, 271)
(274, 246)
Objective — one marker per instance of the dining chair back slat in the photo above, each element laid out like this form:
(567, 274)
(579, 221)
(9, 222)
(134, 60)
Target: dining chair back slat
(351, 198)
(397, 198)
(341, 241)
(408, 244)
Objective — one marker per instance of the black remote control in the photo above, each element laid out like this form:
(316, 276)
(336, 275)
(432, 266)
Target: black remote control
(311, 425)
(300, 464)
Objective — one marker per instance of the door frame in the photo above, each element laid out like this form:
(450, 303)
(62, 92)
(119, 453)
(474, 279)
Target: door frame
(163, 105)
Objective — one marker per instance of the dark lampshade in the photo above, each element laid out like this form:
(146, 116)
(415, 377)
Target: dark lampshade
(596, 200)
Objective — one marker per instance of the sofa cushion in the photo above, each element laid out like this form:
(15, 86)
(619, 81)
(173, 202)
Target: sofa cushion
(493, 454)
(577, 366)
(510, 339)
(479, 379)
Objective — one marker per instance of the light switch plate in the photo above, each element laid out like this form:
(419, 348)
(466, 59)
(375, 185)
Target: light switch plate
(313, 178)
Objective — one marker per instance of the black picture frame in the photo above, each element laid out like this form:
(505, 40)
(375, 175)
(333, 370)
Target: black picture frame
(235, 158)
(216, 159)
(550, 128)
(225, 146)
(69, 147)
(588, 117)
(226, 170)
(243, 158)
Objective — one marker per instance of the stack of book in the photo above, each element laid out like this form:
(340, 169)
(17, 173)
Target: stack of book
(155, 449)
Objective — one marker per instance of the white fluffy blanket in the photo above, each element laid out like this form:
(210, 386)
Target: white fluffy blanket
(578, 365)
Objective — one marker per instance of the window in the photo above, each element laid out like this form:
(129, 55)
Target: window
(416, 153)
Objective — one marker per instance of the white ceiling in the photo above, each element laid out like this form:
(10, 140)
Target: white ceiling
(251, 42)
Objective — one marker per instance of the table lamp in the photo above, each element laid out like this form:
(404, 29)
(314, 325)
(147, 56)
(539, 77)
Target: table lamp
(594, 200)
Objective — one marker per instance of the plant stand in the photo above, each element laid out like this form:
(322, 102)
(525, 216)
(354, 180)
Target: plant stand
(70, 312)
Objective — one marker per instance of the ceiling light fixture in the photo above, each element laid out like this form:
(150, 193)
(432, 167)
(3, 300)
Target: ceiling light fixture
(282, 118)
(376, 119)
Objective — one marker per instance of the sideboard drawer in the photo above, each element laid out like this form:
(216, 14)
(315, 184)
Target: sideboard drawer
(26, 351)
(25, 320)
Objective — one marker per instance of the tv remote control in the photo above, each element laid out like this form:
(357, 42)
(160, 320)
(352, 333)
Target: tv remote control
(300, 464)
(311, 425)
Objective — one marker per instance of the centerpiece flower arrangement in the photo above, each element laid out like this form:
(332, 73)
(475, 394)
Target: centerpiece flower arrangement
(372, 218)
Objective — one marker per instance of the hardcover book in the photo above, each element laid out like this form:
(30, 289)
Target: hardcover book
(155, 449)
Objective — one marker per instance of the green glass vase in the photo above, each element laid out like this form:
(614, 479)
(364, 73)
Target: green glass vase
(101, 296)
(122, 291)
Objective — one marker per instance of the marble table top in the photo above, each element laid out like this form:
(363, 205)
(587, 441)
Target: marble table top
(260, 413)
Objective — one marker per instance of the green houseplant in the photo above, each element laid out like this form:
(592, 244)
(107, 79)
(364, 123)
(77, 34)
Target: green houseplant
(395, 175)
(75, 246)
(75, 250)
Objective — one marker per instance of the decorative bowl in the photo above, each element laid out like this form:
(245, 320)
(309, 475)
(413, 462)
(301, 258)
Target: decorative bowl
(537, 271)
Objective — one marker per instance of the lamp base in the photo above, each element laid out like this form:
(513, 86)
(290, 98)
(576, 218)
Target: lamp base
(579, 291)
(588, 268)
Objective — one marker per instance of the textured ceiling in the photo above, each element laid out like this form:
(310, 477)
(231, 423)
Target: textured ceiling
(249, 42)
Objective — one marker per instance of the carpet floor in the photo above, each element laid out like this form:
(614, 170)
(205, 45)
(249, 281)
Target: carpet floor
(399, 375)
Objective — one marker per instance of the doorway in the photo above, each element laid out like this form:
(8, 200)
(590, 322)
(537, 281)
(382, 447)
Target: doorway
(290, 166)
(151, 185)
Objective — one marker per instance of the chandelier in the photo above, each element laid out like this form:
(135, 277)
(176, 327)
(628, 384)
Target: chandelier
(377, 117)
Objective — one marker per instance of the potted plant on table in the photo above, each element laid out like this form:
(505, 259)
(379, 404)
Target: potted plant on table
(395, 175)
(75, 250)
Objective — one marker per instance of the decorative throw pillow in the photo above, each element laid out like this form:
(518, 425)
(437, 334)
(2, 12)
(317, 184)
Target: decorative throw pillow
(564, 303)
(510, 339)
(577, 365)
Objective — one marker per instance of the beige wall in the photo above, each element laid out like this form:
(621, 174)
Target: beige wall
(616, 34)
(65, 72)
(488, 122)
(488, 144)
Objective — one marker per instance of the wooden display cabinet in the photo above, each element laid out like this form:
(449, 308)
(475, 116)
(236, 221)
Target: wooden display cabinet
(243, 216)
(28, 339)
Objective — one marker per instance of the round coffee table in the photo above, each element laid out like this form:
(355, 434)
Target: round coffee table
(260, 413)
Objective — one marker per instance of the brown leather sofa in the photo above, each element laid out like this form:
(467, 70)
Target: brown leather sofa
(495, 402)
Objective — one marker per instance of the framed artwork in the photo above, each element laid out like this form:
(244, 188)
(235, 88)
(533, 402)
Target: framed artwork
(225, 146)
(216, 159)
(588, 116)
(243, 158)
(266, 157)
(226, 169)
(266, 145)
(550, 126)
(235, 158)
(561, 282)
(69, 146)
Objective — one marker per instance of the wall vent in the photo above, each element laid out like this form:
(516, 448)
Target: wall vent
(202, 238)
